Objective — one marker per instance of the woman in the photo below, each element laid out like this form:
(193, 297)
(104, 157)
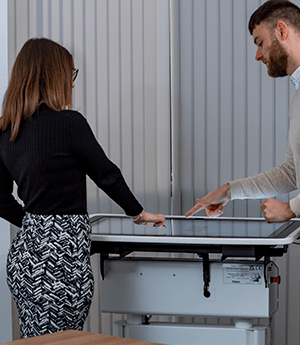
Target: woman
(48, 150)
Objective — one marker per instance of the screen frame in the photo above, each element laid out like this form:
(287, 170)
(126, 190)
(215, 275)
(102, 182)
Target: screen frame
(290, 233)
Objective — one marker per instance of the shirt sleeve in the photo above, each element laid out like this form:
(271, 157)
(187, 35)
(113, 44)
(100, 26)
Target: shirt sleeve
(99, 168)
(279, 180)
(10, 209)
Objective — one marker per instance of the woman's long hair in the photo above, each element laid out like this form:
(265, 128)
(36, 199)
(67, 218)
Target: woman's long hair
(42, 73)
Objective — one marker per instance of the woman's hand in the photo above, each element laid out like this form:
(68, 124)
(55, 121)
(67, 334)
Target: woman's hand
(144, 218)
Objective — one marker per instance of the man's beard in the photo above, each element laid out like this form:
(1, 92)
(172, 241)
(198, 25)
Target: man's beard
(277, 63)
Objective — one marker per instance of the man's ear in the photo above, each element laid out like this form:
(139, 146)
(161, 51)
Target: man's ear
(282, 30)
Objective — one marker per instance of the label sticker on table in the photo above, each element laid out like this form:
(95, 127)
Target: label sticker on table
(242, 274)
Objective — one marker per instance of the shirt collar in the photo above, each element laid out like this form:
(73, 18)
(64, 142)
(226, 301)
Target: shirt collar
(295, 79)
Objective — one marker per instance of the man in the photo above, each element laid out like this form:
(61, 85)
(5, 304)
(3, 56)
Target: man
(275, 27)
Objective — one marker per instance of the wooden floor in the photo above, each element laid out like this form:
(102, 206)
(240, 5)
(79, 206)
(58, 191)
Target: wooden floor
(71, 337)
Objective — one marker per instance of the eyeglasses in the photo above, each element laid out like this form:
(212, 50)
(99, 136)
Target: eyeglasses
(75, 74)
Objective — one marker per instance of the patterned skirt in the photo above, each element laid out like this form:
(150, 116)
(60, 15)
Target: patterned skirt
(49, 273)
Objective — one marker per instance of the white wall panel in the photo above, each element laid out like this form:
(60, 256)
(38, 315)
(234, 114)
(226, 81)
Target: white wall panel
(252, 80)
(162, 130)
(226, 99)
(239, 97)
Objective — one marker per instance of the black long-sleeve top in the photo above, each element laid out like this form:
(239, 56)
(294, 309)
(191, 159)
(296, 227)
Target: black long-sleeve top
(49, 161)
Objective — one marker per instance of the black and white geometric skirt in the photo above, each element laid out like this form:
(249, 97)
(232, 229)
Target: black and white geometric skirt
(49, 273)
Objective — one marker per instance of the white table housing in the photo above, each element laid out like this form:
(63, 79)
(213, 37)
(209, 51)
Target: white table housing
(242, 284)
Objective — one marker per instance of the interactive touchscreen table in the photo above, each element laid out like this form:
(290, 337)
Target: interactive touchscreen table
(231, 275)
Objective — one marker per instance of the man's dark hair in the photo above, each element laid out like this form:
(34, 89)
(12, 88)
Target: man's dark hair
(274, 10)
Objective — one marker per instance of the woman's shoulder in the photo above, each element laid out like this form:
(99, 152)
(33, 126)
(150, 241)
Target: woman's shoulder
(73, 115)
(61, 115)
(67, 117)
(78, 123)
(44, 109)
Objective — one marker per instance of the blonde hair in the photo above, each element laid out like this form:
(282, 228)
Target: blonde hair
(42, 73)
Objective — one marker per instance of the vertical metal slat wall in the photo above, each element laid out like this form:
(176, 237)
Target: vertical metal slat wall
(232, 121)
(228, 118)
(121, 48)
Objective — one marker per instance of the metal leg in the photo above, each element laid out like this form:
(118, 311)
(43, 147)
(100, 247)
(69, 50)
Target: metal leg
(206, 275)
(103, 257)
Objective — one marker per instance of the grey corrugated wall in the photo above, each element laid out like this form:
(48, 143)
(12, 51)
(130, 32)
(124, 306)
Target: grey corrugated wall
(156, 70)
(231, 120)
(121, 48)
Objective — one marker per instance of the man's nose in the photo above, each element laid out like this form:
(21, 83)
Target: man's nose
(258, 55)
